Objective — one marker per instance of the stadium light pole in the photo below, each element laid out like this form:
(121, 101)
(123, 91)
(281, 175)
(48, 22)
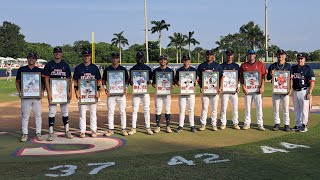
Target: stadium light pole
(266, 30)
(146, 30)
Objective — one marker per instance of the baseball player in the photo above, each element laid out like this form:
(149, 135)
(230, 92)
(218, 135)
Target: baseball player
(210, 66)
(87, 70)
(33, 104)
(162, 99)
(276, 98)
(303, 83)
(253, 65)
(112, 100)
(9, 72)
(144, 98)
(57, 68)
(186, 99)
(230, 65)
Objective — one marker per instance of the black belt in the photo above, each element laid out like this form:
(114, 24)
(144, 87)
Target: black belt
(300, 89)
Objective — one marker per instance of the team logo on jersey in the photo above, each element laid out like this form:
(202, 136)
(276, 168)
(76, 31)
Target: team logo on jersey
(87, 76)
(58, 72)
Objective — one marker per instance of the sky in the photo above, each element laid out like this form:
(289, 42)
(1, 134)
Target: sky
(293, 24)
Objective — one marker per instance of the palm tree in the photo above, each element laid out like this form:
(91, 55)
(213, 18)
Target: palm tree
(178, 40)
(273, 50)
(119, 40)
(253, 33)
(198, 50)
(158, 27)
(191, 40)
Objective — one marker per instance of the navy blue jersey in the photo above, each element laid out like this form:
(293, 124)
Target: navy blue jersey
(276, 66)
(27, 69)
(57, 70)
(205, 66)
(302, 76)
(176, 77)
(111, 68)
(232, 66)
(86, 72)
(159, 69)
(142, 67)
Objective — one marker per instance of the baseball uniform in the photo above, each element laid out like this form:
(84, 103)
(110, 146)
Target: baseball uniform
(209, 99)
(144, 98)
(233, 97)
(257, 98)
(87, 72)
(57, 70)
(302, 77)
(114, 100)
(276, 98)
(34, 104)
(162, 99)
(186, 99)
(9, 72)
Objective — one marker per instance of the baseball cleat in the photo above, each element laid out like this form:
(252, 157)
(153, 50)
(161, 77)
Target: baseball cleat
(236, 126)
(50, 137)
(168, 129)
(133, 131)
(245, 127)
(214, 128)
(179, 129)
(303, 128)
(296, 128)
(109, 133)
(82, 135)
(24, 138)
(222, 127)
(286, 128)
(157, 129)
(68, 135)
(124, 132)
(149, 131)
(261, 128)
(193, 129)
(39, 137)
(202, 128)
(94, 134)
(276, 127)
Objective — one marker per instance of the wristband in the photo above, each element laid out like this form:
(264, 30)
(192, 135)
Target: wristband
(75, 88)
(98, 88)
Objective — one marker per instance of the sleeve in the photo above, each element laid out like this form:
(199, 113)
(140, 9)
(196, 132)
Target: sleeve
(130, 74)
(76, 74)
(154, 77)
(68, 72)
(269, 75)
(241, 74)
(264, 71)
(220, 72)
(176, 77)
(18, 77)
(46, 71)
(104, 76)
(312, 77)
(98, 74)
(150, 74)
(126, 76)
(199, 75)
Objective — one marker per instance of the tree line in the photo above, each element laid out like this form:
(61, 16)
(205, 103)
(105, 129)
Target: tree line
(249, 36)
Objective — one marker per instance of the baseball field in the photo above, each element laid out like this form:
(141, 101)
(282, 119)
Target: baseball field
(222, 154)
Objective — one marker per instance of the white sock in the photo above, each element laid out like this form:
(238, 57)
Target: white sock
(66, 127)
(51, 129)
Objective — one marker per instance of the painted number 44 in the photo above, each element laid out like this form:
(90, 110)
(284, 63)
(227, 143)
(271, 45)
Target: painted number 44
(211, 158)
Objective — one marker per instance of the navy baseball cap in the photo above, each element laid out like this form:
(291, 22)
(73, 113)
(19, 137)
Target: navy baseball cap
(57, 50)
(139, 54)
(281, 51)
(229, 52)
(251, 51)
(163, 57)
(185, 57)
(301, 55)
(115, 55)
(32, 55)
(86, 53)
(209, 52)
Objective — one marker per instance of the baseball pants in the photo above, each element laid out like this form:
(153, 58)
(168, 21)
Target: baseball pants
(145, 99)
(301, 107)
(161, 100)
(276, 98)
(183, 101)
(234, 104)
(82, 117)
(257, 99)
(213, 101)
(26, 106)
(121, 102)
(63, 109)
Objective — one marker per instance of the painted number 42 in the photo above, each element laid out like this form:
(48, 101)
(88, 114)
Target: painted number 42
(211, 158)
(68, 170)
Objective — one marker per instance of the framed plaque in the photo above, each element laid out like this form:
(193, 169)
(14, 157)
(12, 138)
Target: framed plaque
(230, 81)
(116, 82)
(59, 90)
(87, 91)
(187, 82)
(30, 85)
(164, 83)
(280, 82)
(210, 82)
(252, 81)
(139, 79)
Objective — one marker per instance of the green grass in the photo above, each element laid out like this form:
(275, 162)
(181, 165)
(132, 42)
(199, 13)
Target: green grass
(7, 88)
